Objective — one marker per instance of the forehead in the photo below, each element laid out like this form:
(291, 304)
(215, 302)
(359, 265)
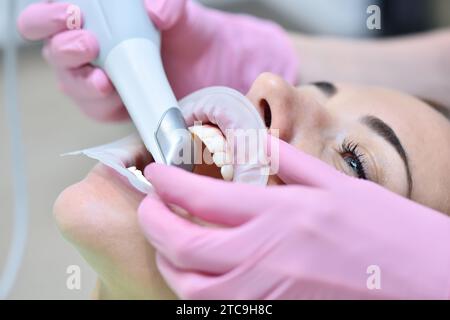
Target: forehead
(424, 133)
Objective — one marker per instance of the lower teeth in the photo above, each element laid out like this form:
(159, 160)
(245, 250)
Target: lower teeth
(138, 174)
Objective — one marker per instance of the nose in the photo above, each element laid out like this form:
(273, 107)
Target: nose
(286, 110)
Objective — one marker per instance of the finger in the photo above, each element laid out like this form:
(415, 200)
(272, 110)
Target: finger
(207, 249)
(297, 167)
(219, 250)
(186, 244)
(185, 283)
(71, 49)
(260, 280)
(105, 110)
(191, 285)
(93, 92)
(165, 14)
(86, 83)
(209, 199)
(42, 20)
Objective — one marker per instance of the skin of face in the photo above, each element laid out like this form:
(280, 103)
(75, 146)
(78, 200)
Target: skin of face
(99, 214)
(319, 124)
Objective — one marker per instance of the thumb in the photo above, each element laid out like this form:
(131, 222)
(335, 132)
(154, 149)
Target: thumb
(296, 167)
(165, 13)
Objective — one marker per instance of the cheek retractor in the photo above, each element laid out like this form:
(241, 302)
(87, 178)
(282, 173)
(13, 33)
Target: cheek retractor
(240, 123)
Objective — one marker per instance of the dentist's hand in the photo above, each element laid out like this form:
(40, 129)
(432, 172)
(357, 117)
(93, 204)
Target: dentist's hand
(316, 238)
(200, 47)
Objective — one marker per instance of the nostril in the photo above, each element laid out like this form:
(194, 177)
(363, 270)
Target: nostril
(265, 107)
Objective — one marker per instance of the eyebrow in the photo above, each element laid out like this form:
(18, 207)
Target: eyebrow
(386, 132)
(327, 88)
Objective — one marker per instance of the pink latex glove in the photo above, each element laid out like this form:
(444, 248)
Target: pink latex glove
(313, 239)
(200, 47)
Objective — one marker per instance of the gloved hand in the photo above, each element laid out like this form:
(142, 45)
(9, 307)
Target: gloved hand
(317, 238)
(200, 47)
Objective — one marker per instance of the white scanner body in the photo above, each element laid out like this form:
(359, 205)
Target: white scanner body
(130, 54)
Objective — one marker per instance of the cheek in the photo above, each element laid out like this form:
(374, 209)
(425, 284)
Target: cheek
(393, 176)
(313, 135)
(314, 145)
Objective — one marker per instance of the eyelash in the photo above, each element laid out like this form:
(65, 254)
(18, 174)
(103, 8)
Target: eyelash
(350, 150)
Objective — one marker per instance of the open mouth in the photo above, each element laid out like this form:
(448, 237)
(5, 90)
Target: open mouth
(240, 124)
(211, 148)
(218, 118)
(212, 144)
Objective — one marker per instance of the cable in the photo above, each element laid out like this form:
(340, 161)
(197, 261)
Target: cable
(20, 221)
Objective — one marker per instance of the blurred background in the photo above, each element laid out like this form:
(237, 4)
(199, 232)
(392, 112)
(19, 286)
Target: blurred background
(52, 125)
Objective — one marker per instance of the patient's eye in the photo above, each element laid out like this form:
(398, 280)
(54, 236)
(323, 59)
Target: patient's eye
(354, 159)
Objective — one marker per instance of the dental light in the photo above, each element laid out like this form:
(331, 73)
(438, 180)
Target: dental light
(19, 233)
(130, 55)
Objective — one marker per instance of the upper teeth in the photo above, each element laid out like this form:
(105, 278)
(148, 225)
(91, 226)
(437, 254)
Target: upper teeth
(215, 142)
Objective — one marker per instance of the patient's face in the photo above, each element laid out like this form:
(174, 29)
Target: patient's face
(390, 138)
(384, 136)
